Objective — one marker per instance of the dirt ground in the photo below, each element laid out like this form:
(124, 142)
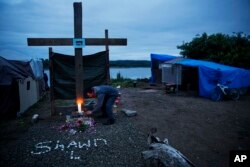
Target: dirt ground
(203, 130)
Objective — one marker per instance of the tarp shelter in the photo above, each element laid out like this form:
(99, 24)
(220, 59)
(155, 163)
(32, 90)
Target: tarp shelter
(171, 72)
(63, 73)
(19, 87)
(156, 60)
(184, 77)
(211, 73)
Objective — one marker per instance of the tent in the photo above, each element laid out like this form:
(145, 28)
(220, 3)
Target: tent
(19, 87)
(156, 60)
(211, 73)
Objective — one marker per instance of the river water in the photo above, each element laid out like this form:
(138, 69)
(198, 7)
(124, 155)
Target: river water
(132, 73)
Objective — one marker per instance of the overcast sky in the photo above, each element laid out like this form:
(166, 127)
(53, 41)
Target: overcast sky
(151, 26)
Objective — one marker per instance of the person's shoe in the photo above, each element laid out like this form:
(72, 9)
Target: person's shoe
(109, 122)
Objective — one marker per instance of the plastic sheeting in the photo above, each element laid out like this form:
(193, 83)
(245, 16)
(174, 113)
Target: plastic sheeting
(156, 59)
(94, 73)
(211, 73)
(37, 68)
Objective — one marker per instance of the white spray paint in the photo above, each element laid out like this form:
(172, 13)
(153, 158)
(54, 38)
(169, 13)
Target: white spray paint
(45, 147)
(58, 145)
(84, 145)
(42, 146)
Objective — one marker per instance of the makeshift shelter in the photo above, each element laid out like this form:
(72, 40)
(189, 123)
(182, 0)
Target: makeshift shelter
(183, 77)
(171, 72)
(20, 85)
(156, 72)
(209, 74)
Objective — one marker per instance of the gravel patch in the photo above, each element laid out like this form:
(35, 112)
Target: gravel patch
(44, 144)
(203, 130)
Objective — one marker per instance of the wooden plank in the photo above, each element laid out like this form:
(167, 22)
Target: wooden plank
(51, 69)
(50, 41)
(106, 40)
(69, 41)
(78, 51)
(79, 74)
(102, 41)
(78, 19)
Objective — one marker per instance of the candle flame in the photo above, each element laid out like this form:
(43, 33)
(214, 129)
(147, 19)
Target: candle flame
(81, 101)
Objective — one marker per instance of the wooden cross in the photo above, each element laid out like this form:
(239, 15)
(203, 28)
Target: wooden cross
(78, 42)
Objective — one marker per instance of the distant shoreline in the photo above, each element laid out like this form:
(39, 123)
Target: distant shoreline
(130, 63)
(119, 64)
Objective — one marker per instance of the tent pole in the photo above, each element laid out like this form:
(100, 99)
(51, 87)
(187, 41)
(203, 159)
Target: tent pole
(51, 69)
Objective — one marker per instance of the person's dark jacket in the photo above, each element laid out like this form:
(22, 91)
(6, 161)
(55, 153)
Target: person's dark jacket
(102, 92)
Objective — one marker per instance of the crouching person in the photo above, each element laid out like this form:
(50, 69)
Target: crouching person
(106, 96)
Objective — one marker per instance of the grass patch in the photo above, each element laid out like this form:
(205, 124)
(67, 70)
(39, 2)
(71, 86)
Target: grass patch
(127, 82)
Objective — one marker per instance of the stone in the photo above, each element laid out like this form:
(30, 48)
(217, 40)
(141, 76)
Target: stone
(129, 113)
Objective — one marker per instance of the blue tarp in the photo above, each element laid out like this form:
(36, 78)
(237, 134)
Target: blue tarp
(161, 57)
(155, 59)
(210, 73)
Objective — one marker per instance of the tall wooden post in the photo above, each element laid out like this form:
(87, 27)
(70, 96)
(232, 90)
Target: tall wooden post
(51, 74)
(107, 56)
(78, 52)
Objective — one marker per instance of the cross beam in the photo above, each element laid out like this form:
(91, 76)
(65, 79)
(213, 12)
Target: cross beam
(69, 41)
(78, 50)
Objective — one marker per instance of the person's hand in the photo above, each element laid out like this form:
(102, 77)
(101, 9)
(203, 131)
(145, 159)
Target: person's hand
(88, 113)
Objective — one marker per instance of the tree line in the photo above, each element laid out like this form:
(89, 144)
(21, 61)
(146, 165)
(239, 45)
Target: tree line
(233, 50)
